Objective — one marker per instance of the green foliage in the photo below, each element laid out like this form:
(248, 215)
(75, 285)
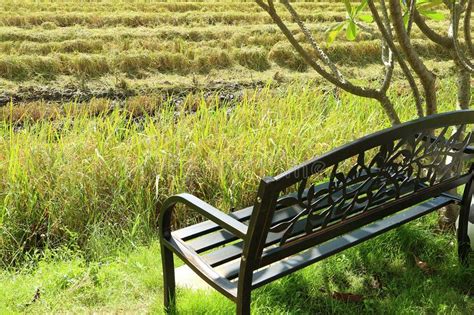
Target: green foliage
(355, 13)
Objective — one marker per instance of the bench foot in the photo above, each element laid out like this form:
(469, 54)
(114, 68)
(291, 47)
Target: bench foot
(169, 286)
(463, 252)
(243, 305)
(464, 244)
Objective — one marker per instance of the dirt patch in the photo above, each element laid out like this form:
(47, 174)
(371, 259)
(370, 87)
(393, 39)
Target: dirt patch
(225, 91)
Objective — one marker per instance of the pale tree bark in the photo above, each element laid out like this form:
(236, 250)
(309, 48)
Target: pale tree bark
(385, 30)
(427, 78)
(467, 27)
(460, 58)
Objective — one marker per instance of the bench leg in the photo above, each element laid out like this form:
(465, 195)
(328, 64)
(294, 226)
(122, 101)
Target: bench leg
(169, 285)
(464, 244)
(243, 302)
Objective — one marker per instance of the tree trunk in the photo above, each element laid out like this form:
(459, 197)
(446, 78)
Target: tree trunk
(464, 87)
(427, 78)
(449, 214)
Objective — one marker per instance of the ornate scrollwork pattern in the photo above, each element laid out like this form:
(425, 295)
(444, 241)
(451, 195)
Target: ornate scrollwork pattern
(378, 176)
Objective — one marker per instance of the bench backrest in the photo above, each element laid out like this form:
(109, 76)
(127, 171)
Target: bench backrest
(359, 183)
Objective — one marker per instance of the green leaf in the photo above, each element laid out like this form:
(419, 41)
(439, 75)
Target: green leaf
(367, 18)
(360, 7)
(406, 17)
(347, 3)
(437, 16)
(351, 31)
(333, 32)
(427, 4)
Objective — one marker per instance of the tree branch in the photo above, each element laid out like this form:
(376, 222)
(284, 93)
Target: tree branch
(309, 37)
(384, 28)
(387, 59)
(467, 27)
(455, 17)
(464, 87)
(345, 85)
(444, 41)
(411, 12)
(426, 77)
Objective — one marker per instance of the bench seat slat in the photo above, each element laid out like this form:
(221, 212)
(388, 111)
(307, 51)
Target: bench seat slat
(334, 246)
(222, 237)
(228, 253)
(232, 251)
(206, 227)
(230, 270)
(208, 235)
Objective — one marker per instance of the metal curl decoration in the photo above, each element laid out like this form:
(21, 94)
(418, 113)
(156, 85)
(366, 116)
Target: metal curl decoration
(399, 167)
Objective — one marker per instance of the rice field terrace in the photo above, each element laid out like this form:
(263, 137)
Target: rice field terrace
(108, 107)
(66, 50)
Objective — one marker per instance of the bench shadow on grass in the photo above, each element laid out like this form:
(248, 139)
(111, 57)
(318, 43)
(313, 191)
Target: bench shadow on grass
(386, 276)
(382, 271)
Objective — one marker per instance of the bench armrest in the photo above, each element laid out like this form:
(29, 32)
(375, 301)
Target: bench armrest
(225, 221)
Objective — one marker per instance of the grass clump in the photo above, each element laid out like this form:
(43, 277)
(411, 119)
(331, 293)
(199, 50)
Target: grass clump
(204, 61)
(284, 55)
(253, 58)
(84, 65)
(49, 25)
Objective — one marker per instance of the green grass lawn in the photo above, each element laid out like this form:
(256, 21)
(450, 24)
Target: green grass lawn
(383, 272)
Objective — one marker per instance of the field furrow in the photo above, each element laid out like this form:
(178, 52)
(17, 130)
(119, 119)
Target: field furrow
(135, 41)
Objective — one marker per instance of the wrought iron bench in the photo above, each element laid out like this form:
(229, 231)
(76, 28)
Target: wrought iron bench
(371, 185)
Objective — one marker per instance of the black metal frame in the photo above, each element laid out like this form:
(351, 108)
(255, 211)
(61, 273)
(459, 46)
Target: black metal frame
(408, 177)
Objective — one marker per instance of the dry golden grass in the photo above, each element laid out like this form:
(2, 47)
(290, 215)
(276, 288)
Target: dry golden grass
(140, 39)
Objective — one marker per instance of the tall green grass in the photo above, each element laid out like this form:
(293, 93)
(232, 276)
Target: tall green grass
(78, 180)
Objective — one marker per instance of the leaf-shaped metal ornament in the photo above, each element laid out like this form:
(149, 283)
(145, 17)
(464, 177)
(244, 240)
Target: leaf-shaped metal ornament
(287, 201)
(398, 167)
(352, 173)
